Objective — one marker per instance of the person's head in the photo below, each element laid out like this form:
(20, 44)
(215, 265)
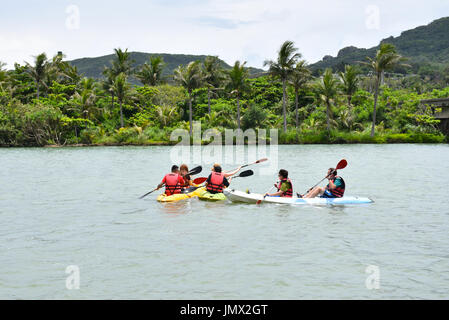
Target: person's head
(175, 169)
(283, 174)
(216, 168)
(332, 172)
(184, 169)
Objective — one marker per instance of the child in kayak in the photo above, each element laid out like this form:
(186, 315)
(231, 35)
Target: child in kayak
(217, 180)
(173, 182)
(335, 188)
(184, 171)
(284, 186)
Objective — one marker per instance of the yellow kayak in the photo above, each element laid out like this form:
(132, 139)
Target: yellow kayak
(180, 196)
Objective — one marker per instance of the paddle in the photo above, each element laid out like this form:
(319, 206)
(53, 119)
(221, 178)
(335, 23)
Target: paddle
(147, 194)
(341, 165)
(258, 161)
(250, 164)
(196, 170)
(260, 201)
(192, 172)
(199, 180)
(245, 174)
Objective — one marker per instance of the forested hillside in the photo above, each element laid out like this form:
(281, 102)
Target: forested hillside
(426, 47)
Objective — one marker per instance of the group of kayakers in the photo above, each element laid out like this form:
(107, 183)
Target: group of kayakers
(179, 180)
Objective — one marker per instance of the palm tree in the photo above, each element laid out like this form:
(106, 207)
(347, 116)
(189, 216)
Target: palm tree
(3, 75)
(122, 62)
(298, 79)
(121, 90)
(386, 59)
(349, 82)
(166, 115)
(213, 76)
(191, 78)
(237, 84)
(86, 98)
(151, 73)
(327, 90)
(39, 71)
(282, 68)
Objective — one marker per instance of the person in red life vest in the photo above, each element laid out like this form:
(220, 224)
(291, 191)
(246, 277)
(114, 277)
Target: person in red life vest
(184, 171)
(173, 182)
(217, 181)
(284, 186)
(335, 188)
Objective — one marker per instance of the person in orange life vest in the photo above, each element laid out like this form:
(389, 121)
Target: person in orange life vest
(184, 171)
(173, 182)
(217, 180)
(335, 188)
(285, 186)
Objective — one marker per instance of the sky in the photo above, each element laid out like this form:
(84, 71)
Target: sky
(245, 30)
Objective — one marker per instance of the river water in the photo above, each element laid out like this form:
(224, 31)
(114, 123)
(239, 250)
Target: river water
(79, 207)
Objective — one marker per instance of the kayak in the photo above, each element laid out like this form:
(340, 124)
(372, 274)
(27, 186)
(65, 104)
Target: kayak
(240, 196)
(207, 196)
(180, 196)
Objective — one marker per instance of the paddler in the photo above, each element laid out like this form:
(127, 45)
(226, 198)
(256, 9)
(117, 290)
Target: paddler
(184, 172)
(284, 186)
(217, 180)
(173, 182)
(335, 188)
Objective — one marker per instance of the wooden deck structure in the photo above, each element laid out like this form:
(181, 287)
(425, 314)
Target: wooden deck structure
(440, 110)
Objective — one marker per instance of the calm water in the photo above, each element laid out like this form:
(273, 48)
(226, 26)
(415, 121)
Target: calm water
(78, 206)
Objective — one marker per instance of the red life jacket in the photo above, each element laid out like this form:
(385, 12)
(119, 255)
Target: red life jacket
(289, 192)
(172, 185)
(216, 182)
(338, 191)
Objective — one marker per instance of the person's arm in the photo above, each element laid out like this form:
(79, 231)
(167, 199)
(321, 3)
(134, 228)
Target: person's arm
(226, 182)
(160, 185)
(231, 173)
(207, 181)
(284, 187)
(279, 193)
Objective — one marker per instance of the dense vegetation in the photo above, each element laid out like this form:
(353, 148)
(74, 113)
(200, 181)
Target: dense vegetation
(48, 102)
(427, 48)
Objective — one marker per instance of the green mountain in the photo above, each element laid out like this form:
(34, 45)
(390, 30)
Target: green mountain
(426, 47)
(93, 67)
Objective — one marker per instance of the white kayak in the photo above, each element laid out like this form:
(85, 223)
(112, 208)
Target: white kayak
(240, 196)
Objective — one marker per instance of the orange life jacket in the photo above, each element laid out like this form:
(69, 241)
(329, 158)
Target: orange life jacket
(172, 185)
(216, 182)
(338, 191)
(289, 192)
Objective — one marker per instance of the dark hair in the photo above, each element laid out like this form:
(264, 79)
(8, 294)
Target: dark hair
(174, 168)
(333, 171)
(217, 169)
(283, 173)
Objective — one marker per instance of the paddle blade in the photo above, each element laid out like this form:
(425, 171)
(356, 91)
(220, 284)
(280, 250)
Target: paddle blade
(246, 173)
(196, 170)
(199, 180)
(262, 160)
(342, 164)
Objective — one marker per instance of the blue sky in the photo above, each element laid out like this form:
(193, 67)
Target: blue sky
(248, 30)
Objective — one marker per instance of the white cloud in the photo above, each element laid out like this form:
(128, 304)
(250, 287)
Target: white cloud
(249, 30)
